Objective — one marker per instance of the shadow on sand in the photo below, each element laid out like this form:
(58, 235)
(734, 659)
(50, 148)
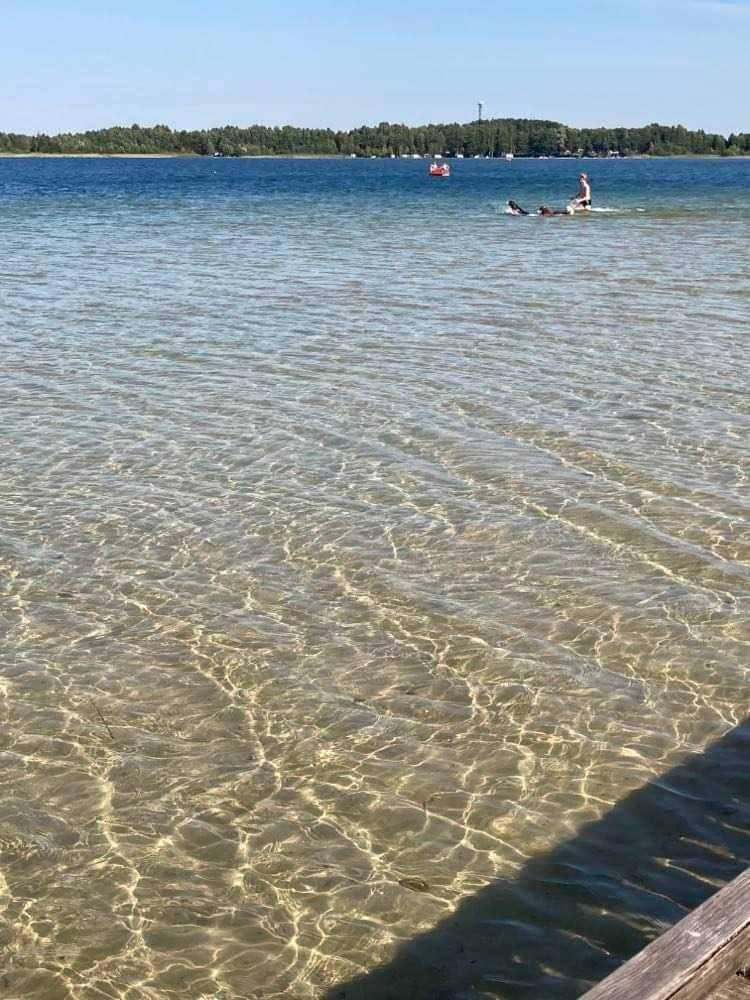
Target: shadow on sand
(576, 913)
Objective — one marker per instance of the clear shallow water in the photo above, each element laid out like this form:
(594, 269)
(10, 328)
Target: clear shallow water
(354, 532)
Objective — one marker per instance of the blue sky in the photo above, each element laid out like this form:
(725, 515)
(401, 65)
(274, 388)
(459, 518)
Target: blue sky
(77, 64)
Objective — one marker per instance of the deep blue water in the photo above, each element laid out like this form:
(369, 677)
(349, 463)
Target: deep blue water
(718, 184)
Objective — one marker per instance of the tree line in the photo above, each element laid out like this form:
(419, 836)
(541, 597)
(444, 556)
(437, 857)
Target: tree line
(494, 137)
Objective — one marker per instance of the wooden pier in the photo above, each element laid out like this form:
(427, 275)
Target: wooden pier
(706, 956)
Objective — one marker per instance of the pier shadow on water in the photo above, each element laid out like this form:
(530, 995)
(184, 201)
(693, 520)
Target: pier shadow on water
(575, 914)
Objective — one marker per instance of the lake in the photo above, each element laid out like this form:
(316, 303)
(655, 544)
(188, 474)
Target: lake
(364, 553)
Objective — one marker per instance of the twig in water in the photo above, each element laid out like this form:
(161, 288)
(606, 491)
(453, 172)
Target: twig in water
(104, 721)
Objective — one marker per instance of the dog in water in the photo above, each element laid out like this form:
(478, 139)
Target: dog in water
(513, 208)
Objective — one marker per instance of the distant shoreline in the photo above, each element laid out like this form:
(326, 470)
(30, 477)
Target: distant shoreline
(493, 138)
(103, 156)
(174, 156)
(339, 156)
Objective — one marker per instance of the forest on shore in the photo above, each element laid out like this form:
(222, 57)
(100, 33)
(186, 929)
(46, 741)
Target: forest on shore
(494, 137)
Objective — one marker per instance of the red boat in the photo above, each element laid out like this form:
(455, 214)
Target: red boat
(440, 170)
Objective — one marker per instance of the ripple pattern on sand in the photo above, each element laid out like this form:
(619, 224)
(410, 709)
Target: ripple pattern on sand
(345, 542)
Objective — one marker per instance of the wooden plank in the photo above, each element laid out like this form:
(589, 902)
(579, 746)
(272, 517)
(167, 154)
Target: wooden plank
(720, 968)
(694, 957)
(735, 988)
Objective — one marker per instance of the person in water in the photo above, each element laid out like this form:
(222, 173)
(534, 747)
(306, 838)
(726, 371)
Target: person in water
(580, 202)
(582, 198)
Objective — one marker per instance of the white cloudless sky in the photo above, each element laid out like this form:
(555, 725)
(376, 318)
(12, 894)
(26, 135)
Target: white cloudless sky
(69, 65)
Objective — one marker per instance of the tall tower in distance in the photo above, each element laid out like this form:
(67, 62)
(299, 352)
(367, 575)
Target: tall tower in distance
(480, 109)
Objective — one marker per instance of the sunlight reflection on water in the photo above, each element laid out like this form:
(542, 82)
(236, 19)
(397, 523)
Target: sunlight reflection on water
(346, 542)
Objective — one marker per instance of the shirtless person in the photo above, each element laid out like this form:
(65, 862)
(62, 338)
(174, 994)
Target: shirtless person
(582, 198)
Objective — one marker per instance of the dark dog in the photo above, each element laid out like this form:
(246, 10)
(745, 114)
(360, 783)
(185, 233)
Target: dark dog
(545, 210)
(515, 208)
